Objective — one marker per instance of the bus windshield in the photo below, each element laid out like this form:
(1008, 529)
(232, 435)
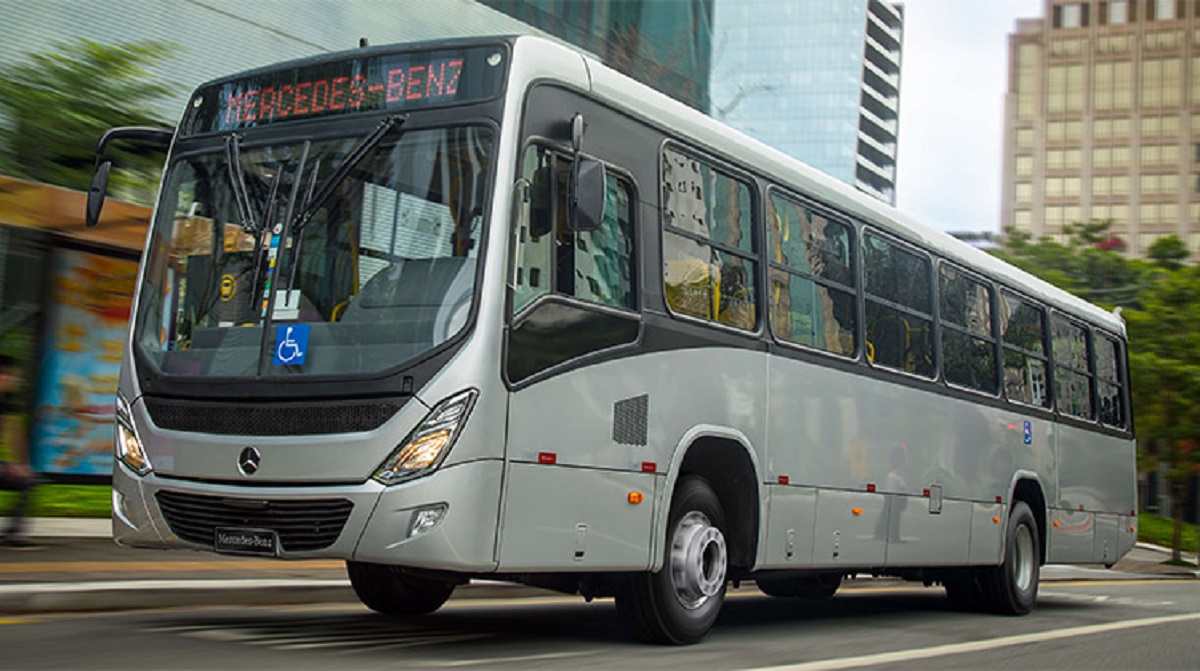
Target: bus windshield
(301, 257)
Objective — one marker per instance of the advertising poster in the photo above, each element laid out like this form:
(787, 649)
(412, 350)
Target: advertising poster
(87, 318)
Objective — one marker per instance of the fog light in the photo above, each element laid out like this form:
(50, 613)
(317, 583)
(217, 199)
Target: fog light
(425, 520)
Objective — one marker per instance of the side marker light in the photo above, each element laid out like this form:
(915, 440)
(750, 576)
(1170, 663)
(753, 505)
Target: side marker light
(856, 511)
(996, 519)
(635, 498)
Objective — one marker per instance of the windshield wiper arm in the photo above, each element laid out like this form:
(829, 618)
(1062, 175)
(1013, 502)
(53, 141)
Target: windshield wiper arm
(237, 180)
(327, 187)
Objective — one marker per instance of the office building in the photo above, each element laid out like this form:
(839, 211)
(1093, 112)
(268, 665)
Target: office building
(818, 80)
(1102, 121)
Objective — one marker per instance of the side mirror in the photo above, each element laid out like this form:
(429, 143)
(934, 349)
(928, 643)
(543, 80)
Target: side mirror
(96, 192)
(155, 138)
(588, 186)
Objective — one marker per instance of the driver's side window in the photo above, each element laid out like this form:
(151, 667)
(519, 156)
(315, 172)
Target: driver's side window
(595, 266)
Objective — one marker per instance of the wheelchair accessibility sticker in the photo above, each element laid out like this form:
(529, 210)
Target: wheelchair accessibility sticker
(291, 344)
(1028, 425)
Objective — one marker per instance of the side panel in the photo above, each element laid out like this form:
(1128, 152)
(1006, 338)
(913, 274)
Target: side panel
(580, 419)
(1096, 472)
(988, 524)
(1071, 537)
(851, 529)
(576, 519)
(919, 537)
(790, 526)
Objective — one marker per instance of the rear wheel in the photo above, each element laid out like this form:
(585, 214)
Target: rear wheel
(388, 590)
(821, 586)
(679, 604)
(1012, 586)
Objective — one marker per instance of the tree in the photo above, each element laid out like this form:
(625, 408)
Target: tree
(56, 105)
(1164, 361)
(1168, 252)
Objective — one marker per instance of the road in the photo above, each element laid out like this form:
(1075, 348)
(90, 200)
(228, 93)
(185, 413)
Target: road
(1126, 624)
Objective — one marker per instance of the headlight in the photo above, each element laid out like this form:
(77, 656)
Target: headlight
(429, 443)
(128, 447)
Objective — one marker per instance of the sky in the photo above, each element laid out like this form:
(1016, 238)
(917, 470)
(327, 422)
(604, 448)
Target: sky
(953, 78)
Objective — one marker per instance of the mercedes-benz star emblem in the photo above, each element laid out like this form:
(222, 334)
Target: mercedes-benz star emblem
(249, 460)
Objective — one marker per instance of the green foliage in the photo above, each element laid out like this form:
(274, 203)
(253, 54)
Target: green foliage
(56, 105)
(64, 501)
(1158, 530)
(1168, 252)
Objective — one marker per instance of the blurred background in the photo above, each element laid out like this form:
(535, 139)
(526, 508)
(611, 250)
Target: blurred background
(1061, 135)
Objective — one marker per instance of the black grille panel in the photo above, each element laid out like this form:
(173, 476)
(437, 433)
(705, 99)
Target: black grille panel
(302, 524)
(272, 419)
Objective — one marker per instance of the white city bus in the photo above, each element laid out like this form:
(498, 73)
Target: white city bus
(488, 308)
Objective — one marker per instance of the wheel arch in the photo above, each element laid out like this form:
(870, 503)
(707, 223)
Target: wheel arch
(724, 458)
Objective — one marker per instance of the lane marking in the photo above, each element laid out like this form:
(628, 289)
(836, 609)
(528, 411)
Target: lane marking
(17, 620)
(488, 661)
(879, 659)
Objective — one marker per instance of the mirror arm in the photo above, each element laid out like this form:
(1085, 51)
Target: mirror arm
(157, 138)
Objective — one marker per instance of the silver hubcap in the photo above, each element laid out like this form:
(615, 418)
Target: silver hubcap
(1023, 559)
(697, 560)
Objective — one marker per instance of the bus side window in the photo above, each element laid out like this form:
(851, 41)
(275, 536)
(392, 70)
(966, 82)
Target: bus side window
(1023, 332)
(968, 348)
(709, 252)
(1109, 386)
(1072, 368)
(811, 293)
(899, 302)
(595, 266)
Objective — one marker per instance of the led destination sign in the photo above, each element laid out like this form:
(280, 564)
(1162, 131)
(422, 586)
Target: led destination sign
(398, 81)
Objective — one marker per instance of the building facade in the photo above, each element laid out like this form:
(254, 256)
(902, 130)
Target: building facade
(818, 80)
(1102, 121)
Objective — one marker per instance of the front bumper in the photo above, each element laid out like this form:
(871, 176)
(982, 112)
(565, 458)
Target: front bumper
(376, 528)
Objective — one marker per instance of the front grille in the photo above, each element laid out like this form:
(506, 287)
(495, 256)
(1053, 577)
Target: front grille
(272, 419)
(302, 524)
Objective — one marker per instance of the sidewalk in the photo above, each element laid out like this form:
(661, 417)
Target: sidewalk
(79, 568)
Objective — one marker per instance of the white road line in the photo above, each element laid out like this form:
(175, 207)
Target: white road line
(977, 646)
(490, 661)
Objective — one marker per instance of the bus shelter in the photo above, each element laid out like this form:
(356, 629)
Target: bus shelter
(65, 297)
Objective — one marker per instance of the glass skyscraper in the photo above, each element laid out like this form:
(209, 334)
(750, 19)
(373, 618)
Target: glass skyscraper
(818, 80)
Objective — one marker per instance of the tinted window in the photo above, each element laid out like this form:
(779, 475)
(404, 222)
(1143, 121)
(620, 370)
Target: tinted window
(709, 266)
(596, 266)
(968, 348)
(899, 303)
(812, 277)
(1108, 381)
(1072, 368)
(1023, 334)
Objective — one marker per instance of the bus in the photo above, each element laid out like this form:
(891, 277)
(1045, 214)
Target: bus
(487, 308)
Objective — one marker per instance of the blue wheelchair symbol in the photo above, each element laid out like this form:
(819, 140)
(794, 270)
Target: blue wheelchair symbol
(291, 344)
(1028, 432)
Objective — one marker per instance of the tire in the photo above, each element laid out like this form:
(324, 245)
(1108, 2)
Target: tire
(388, 590)
(679, 604)
(1011, 587)
(816, 587)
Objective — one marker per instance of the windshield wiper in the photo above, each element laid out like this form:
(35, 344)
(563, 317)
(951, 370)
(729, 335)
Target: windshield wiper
(237, 180)
(358, 154)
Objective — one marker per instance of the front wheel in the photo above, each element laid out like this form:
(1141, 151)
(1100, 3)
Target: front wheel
(679, 604)
(388, 590)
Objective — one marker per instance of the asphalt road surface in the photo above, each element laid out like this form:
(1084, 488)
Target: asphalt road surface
(1127, 624)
